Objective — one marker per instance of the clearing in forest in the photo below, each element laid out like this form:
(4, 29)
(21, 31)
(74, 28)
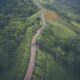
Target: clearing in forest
(50, 15)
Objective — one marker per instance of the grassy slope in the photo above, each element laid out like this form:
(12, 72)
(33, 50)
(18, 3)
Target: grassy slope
(45, 62)
(46, 66)
(62, 31)
(48, 69)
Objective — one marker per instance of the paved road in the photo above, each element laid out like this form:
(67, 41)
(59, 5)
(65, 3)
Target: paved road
(33, 51)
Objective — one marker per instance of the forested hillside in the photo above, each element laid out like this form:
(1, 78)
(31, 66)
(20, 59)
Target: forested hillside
(15, 35)
(15, 9)
(58, 44)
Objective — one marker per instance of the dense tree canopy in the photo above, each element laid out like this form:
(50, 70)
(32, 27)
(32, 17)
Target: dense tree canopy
(13, 23)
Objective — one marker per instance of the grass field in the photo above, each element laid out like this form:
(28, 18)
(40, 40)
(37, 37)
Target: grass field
(47, 68)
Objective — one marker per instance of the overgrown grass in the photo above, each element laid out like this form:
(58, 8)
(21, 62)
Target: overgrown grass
(50, 43)
(72, 24)
(37, 14)
(62, 31)
(76, 24)
(22, 54)
(48, 69)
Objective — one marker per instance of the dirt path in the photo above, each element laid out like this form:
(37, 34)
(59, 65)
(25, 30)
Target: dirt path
(45, 15)
(33, 51)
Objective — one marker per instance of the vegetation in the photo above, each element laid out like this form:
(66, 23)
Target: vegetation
(58, 52)
(15, 37)
(47, 68)
(62, 44)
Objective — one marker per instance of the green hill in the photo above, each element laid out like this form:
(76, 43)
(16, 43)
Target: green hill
(58, 52)
(58, 56)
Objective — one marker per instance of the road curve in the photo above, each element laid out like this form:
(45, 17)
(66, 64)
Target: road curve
(33, 50)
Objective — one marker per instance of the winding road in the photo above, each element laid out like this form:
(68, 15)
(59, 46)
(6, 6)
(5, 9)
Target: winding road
(34, 48)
